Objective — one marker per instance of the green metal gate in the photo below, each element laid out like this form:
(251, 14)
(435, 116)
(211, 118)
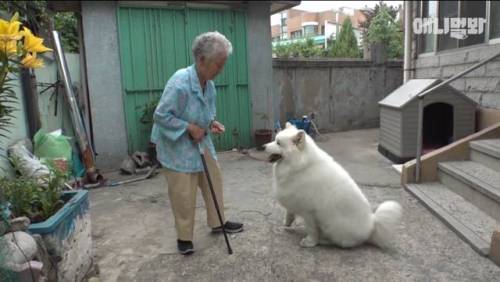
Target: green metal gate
(155, 42)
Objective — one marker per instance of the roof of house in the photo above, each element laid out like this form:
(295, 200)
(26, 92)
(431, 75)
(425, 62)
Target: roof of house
(276, 6)
(409, 91)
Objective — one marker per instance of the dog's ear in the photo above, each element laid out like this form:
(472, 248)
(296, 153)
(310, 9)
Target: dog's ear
(300, 139)
(288, 124)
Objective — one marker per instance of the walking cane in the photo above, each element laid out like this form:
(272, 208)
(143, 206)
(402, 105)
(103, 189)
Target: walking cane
(229, 250)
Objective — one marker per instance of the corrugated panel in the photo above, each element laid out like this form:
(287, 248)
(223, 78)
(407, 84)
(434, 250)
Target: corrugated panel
(390, 130)
(409, 128)
(155, 42)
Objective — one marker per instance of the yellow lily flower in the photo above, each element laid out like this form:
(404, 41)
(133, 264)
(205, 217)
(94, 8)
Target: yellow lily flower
(9, 30)
(30, 61)
(32, 43)
(9, 47)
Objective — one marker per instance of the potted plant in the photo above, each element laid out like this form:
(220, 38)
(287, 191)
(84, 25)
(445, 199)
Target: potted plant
(146, 118)
(263, 135)
(62, 218)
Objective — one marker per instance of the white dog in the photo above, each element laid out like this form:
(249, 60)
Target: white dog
(310, 184)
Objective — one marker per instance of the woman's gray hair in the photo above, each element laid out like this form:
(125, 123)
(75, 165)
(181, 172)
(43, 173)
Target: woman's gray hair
(211, 44)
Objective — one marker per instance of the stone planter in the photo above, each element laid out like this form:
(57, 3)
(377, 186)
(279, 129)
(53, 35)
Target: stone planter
(67, 236)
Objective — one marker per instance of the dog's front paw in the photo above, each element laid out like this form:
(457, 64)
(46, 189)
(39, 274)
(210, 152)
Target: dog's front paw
(308, 242)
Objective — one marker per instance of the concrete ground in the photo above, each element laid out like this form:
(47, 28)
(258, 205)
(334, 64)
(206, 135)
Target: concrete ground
(134, 235)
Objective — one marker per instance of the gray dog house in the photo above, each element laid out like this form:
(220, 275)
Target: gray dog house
(448, 116)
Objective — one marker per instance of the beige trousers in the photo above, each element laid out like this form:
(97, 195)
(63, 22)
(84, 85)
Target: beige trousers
(182, 188)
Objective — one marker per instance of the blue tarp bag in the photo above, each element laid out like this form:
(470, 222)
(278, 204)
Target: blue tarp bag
(303, 123)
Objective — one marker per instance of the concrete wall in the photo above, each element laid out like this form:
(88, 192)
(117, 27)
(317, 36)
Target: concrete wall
(18, 130)
(343, 93)
(482, 85)
(260, 67)
(52, 118)
(100, 35)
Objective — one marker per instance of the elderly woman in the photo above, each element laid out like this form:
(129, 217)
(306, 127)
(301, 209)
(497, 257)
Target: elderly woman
(182, 120)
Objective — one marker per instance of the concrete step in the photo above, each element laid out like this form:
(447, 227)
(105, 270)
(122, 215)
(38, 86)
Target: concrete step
(475, 182)
(470, 223)
(486, 152)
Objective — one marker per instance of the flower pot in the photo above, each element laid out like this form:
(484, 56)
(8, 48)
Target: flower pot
(263, 136)
(67, 234)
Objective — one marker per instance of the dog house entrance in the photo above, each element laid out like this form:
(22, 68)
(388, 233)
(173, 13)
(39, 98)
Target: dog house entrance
(437, 127)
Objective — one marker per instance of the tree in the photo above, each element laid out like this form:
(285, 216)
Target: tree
(307, 49)
(396, 44)
(393, 30)
(36, 16)
(281, 50)
(383, 29)
(299, 49)
(346, 44)
(370, 13)
(66, 24)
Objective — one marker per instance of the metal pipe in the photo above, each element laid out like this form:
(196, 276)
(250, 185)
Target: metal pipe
(76, 118)
(420, 109)
(408, 32)
(70, 95)
(419, 137)
(460, 74)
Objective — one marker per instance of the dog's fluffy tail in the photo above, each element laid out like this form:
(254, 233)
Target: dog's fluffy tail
(387, 217)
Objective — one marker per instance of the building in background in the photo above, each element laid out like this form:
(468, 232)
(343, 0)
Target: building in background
(297, 24)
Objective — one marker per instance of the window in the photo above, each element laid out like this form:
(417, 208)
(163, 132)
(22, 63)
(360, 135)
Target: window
(322, 30)
(296, 34)
(472, 9)
(283, 22)
(283, 18)
(310, 30)
(494, 19)
(464, 10)
(464, 23)
(447, 9)
(429, 9)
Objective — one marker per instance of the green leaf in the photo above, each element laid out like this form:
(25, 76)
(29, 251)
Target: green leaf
(384, 29)
(346, 44)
